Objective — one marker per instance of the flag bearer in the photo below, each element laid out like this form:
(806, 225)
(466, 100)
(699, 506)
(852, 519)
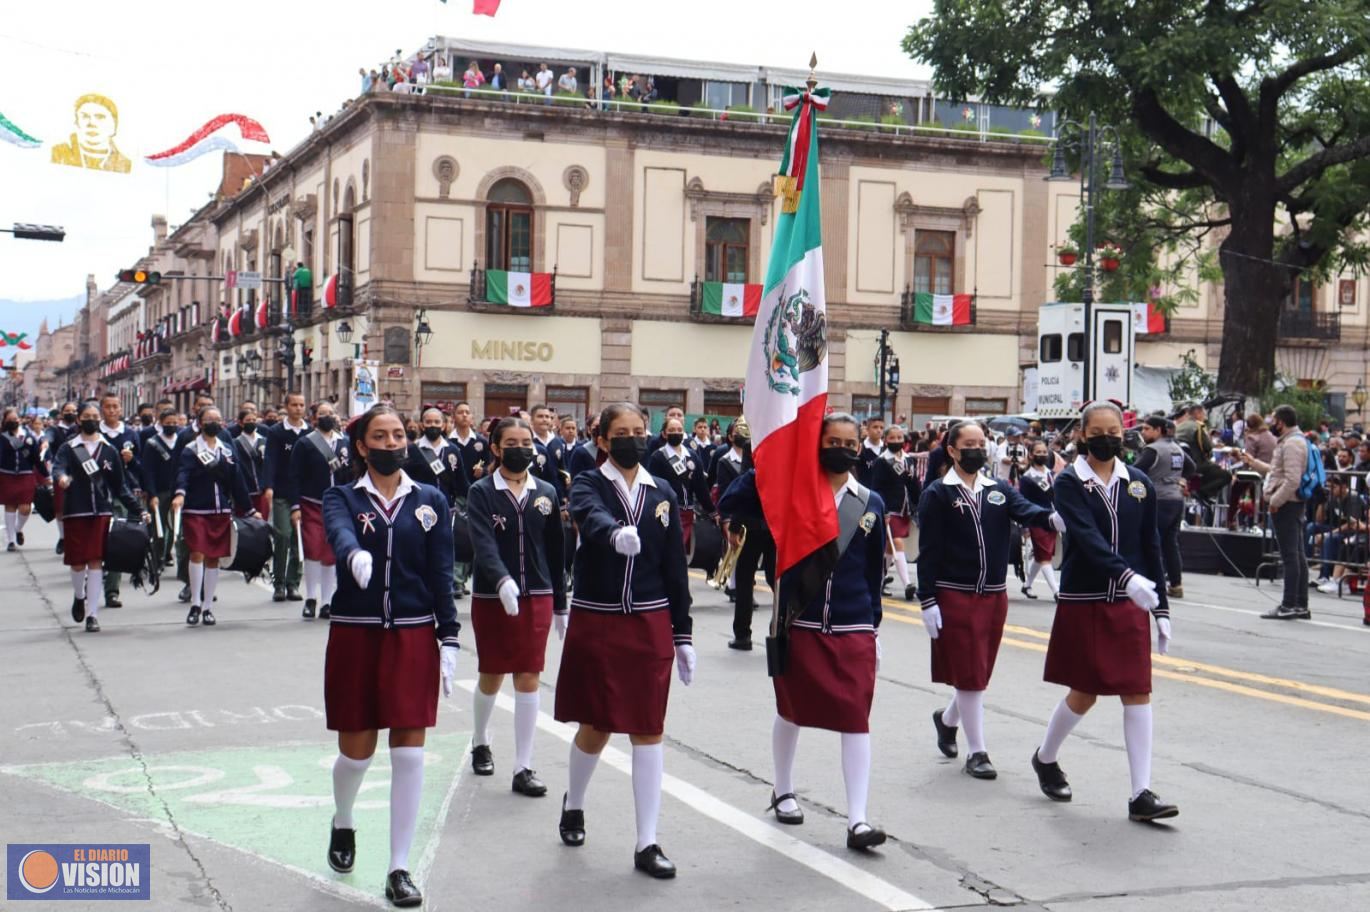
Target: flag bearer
(318, 461)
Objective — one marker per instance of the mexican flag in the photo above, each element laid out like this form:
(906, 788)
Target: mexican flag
(263, 315)
(1146, 319)
(726, 299)
(941, 310)
(235, 323)
(786, 395)
(518, 289)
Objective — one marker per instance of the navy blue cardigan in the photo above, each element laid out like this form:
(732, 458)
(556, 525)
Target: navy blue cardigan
(449, 477)
(127, 439)
(214, 488)
(280, 443)
(161, 461)
(1037, 488)
(963, 538)
(1110, 536)
(252, 461)
(411, 553)
(896, 483)
(475, 452)
(522, 542)
(655, 579)
(92, 495)
(309, 475)
(21, 454)
(689, 483)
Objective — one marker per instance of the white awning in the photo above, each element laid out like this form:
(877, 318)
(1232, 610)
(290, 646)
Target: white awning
(682, 69)
(524, 52)
(846, 82)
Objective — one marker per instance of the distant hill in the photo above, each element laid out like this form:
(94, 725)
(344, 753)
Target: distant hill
(26, 316)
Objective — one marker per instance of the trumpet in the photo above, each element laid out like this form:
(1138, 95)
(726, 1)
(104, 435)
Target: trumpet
(729, 562)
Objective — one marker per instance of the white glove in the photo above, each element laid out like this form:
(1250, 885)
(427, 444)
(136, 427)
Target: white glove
(878, 653)
(1057, 522)
(685, 663)
(360, 565)
(560, 621)
(1163, 636)
(447, 657)
(1142, 591)
(509, 597)
(932, 621)
(626, 541)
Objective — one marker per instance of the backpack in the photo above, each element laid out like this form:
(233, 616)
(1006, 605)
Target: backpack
(1314, 475)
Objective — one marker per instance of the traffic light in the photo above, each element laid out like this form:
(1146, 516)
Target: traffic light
(140, 277)
(892, 375)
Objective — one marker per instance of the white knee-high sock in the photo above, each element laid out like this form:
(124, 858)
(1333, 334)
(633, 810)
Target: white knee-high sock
(582, 767)
(525, 728)
(312, 577)
(61, 529)
(901, 566)
(347, 781)
(406, 788)
(1063, 722)
(9, 526)
(95, 590)
(483, 707)
(1032, 569)
(1049, 574)
(211, 583)
(784, 746)
(78, 582)
(971, 703)
(952, 714)
(648, 760)
(328, 584)
(197, 580)
(20, 520)
(856, 772)
(1137, 736)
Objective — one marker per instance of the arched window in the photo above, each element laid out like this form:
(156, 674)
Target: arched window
(509, 227)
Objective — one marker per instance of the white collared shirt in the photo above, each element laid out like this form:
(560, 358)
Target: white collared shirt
(434, 445)
(681, 452)
(981, 481)
(876, 448)
(611, 472)
(200, 446)
(114, 431)
(850, 486)
(405, 486)
(1087, 474)
(294, 427)
(470, 435)
(502, 484)
(546, 441)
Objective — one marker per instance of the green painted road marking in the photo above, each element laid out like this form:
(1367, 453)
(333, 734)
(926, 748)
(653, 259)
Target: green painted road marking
(273, 802)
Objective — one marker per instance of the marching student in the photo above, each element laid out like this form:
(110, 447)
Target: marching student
(757, 547)
(520, 586)
(21, 465)
(209, 485)
(161, 463)
(280, 444)
(1040, 544)
(249, 446)
(963, 538)
(679, 466)
(550, 458)
(59, 433)
(435, 460)
(893, 476)
(392, 637)
(657, 441)
(90, 473)
(631, 607)
(126, 442)
(873, 446)
(834, 649)
(318, 461)
(474, 449)
(1111, 586)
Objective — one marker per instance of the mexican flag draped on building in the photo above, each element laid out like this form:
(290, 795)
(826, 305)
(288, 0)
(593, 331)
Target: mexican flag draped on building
(787, 369)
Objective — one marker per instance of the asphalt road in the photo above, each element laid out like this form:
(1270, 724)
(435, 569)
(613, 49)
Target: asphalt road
(210, 745)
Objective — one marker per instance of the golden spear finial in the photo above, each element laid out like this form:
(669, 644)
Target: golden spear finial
(812, 81)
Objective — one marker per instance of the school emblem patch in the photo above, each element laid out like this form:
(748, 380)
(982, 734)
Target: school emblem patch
(478, 446)
(452, 461)
(868, 523)
(663, 513)
(542, 460)
(1137, 490)
(996, 497)
(543, 505)
(427, 517)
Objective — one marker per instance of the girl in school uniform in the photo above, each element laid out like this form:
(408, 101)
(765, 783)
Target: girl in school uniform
(90, 473)
(834, 646)
(963, 534)
(1101, 638)
(631, 607)
(520, 587)
(680, 466)
(392, 636)
(318, 461)
(436, 461)
(1040, 544)
(250, 448)
(893, 476)
(21, 466)
(209, 484)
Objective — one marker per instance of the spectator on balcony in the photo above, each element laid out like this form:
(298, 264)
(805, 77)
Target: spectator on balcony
(607, 91)
(419, 71)
(567, 83)
(544, 80)
(366, 80)
(473, 78)
(402, 87)
(442, 70)
(526, 82)
(498, 81)
(303, 290)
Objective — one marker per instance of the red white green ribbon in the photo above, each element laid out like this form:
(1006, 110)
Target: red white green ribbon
(797, 143)
(10, 133)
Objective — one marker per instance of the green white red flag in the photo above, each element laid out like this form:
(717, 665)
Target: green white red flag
(518, 289)
(1146, 319)
(941, 309)
(727, 299)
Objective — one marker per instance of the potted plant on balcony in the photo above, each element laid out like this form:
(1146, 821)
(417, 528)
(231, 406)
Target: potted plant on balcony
(1110, 256)
(1067, 253)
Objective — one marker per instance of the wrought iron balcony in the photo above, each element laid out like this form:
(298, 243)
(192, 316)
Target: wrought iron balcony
(1305, 324)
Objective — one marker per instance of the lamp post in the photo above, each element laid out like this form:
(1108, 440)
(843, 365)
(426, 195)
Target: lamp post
(423, 334)
(1089, 140)
(1360, 395)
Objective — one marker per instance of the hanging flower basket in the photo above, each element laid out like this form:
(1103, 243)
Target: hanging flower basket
(1110, 257)
(1067, 254)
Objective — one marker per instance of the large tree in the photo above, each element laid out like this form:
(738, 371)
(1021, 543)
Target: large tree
(1249, 116)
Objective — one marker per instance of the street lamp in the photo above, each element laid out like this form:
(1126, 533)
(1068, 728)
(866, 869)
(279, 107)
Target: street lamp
(344, 332)
(423, 333)
(1360, 395)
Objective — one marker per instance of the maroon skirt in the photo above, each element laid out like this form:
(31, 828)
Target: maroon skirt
(59, 497)
(616, 671)
(17, 490)
(963, 655)
(1100, 648)
(830, 681)
(1043, 544)
(510, 645)
(210, 534)
(311, 530)
(85, 540)
(375, 678)
(687, 528)
(899, 526)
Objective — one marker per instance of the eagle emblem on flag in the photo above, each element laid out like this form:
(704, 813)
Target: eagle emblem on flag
(519, 289)
(795, 340)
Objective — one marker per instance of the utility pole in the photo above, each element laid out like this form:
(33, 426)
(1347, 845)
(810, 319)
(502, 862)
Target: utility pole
(884, 364)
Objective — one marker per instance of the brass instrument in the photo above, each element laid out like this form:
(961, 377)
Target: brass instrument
(729, 562)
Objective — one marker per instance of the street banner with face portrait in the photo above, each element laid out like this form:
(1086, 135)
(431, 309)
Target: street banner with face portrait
(364, 392)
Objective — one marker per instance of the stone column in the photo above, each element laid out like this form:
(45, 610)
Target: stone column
(616, 356)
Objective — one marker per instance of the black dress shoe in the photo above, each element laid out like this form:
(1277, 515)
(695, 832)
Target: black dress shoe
(78, 610)
(278, 594)
(868, 838)
(482, 761)
(207, 618)
(654, 863)
(456, 594)
(61, 545)
(325, 612)
(740, 645)
(92, 624)
(1148, 806)
(308, 611)
(401, 890)
(184, 594)
(979, 767)
(112, 601)
(526, 782)
(792, 818)
(572, 826)
(910, 591)
(1028, 593)
(1281, 613)
(946, 735)
(342, 850)
(1051, 779)
(292, 594)
(193, 616)
(19, 536)
(11, 547)
(731, 593)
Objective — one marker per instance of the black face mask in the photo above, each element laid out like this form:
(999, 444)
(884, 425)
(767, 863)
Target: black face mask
(837, 459)
(385, 462)
(11, 427)
(249, 427)
(1104, 446)
(1040, 460)
(327, 424)
(743, 443)
(895, 447)
(412, 434)
(972, 460)
(68, 419)
(146, 420)
(516, 459)
(211, 428)
(433, 433)
(675, 440)
(169, 430)
(90, 426)
(627, 452)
